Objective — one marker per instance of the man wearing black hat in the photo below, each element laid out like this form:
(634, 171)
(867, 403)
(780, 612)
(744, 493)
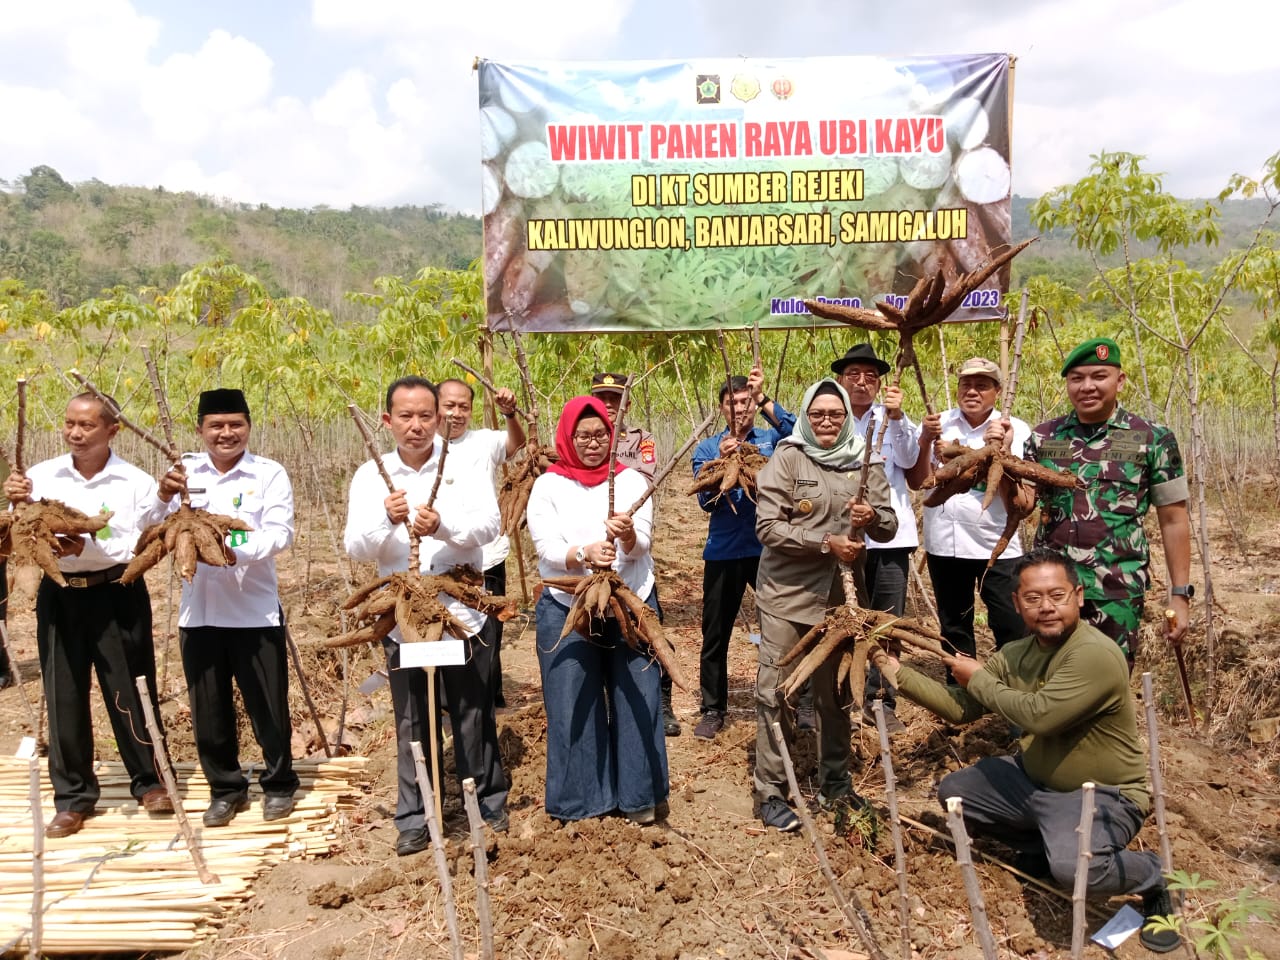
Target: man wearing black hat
(94, 623)
(231, 627)
(888, 564)
(1125, 465)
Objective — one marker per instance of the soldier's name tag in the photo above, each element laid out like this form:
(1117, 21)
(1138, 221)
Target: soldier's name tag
(435, 653)
(805, 506)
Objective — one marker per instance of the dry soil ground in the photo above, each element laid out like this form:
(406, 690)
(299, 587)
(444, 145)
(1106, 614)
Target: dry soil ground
(710, 882)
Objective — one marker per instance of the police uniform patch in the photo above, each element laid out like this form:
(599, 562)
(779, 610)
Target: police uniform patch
(648, 451)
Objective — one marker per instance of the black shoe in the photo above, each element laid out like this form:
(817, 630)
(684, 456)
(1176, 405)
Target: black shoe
(6, 680)
(1033, 863)
(412, 841)
(670, 725)
(277, 808)
(500, 822)
(223, 810)
(1157, 904)
(777, 813)
(712, 722)
(805, 719)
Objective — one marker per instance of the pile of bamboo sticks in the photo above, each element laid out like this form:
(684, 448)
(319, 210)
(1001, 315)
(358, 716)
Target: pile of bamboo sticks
(127, 883)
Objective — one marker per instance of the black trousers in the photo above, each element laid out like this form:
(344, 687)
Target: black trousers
(107, 629)
(955, 579)
(887, 571)
(475, 730)
(495, 582)
(256, 659)
(724, 582)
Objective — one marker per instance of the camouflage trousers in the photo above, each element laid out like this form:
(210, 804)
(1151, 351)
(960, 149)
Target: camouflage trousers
(1120, 618)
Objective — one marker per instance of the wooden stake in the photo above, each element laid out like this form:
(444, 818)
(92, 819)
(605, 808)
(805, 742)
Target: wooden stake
(623, 404)
(522, 364)
(1084, 853)
(166, 774)
(37, 862)
(166, 421)
(164, 448)
(977, 906)
(895, 826)
(1011, 378)
(296, 657)
(661, 475)
(484, 912)
(1171, 618)
(480, 379)
(946, 372)
(19, 444)
(437, 847)
(848, 902)
(433, 732)
(18, 679)
(728, 381)
(1153, 767)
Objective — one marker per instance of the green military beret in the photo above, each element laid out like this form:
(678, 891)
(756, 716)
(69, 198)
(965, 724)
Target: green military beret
(1100, 351)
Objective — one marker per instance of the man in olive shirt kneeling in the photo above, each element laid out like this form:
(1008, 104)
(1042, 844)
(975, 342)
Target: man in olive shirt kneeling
(1067, 686)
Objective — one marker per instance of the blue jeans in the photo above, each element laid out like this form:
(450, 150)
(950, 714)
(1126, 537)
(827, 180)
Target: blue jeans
(605, 747)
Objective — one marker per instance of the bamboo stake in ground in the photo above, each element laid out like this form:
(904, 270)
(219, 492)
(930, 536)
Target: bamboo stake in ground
(429, 805)
(895, 826)
(977, 906)
(37, 862)
(1171, 620)
(18, 680)
(296, 657)
(1153, 768)
(20, 443)
(166, 774)
(484, 912)
(849, 904)
(1084, 853)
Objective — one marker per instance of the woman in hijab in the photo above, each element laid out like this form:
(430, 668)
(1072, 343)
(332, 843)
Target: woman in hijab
(809, 522)
(605, 747)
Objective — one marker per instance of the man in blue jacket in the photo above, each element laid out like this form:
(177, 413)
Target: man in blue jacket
(732, 553)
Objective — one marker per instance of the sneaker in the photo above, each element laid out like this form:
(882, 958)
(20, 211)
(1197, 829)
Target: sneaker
(643, 817)
(805, 719)
(1155, 904)
(712, 722)
(775, 812)
(893, 726)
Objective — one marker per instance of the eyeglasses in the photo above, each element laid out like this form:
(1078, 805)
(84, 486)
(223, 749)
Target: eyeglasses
(817, 416)
(1056, 597)
(591, 439)
(862, 377)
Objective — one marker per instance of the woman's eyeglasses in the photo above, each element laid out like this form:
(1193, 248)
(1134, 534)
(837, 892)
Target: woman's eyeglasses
(817, 416)
(591, 439)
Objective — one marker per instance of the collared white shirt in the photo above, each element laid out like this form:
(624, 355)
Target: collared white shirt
(564, 513)
(960, 527)
(119, 487)
(467, 522)
(475, 458)
(901, 447)
(258, 491)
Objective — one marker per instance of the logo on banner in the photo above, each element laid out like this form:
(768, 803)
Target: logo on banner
(708, 88)
(745, 87)
(783, 88)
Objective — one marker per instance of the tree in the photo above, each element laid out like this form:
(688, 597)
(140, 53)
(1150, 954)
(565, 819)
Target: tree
(43, 186)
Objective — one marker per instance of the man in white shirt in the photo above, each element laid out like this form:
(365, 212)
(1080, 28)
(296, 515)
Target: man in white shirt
(230, 625)
(452, 532)
(474, 459)
(959, 535)
(94, 623)
(888, 564)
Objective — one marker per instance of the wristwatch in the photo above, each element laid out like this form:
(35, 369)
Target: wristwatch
(581, 555)
(763, 400)
(509, 415)
(1187, 591)
(826, 543)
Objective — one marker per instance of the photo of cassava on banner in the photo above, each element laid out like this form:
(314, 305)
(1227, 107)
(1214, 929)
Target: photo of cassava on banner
(654, 195)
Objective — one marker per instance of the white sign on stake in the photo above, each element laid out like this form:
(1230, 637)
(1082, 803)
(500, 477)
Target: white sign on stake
(435, 653)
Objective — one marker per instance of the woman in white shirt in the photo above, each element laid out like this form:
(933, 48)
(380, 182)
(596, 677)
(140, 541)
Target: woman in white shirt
(605, 747)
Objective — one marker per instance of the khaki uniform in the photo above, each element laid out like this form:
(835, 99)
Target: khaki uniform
(637, 450)
(799, 502)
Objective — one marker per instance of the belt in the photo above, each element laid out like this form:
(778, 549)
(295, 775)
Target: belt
(95, 577)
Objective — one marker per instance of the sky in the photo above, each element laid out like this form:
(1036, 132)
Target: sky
(374, 102)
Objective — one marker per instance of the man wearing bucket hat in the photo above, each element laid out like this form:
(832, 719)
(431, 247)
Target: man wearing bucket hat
(959, 535)
(1126, 465)
(860, 371)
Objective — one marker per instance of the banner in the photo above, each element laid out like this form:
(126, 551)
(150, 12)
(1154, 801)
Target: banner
(642, 196)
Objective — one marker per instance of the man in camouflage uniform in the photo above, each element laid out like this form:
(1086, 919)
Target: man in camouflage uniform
(1125, 465)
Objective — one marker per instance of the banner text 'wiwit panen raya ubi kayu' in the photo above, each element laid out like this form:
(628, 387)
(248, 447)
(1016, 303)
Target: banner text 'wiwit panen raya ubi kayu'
(700, 194)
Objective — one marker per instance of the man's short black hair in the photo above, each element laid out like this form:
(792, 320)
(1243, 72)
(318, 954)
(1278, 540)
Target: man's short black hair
(1042, 555)
(739, 384)
(109, 405)
(411, 383)
(462, 383)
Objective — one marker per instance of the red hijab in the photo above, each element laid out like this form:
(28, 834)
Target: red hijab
(570, 464)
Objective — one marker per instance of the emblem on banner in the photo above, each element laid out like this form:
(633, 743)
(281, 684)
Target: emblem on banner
(745, 87)
(708, 88)
(783, 88)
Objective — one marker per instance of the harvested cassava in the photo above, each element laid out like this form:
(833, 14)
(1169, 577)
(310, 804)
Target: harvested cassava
(40, 532)
(413, 603)
(1016, 481)
(847, 634)
(190, 535)
(602, 594)
(738, 469)
(513, 494)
